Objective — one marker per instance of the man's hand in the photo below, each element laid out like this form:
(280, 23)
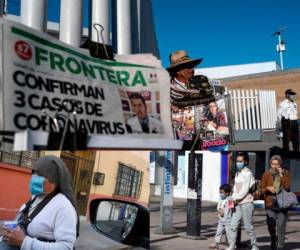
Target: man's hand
(14, 238)
(271, 189)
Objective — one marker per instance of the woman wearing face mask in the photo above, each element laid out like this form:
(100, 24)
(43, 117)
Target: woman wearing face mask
(50, 219)
(272, 181)
(242, 198)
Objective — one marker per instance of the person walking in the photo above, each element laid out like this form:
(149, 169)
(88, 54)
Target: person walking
(224, 215)
(273, 180)
(242, 199)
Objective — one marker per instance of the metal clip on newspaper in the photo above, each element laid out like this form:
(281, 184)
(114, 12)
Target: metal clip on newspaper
(100, 33)
(97, 49)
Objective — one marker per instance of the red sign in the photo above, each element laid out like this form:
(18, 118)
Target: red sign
(23, 50)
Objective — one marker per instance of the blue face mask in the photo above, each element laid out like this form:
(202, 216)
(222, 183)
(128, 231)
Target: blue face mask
(222, 196)
(36, 185)
(240, 165)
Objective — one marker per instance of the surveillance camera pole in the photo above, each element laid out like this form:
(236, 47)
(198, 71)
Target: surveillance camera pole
(281, 45)
(280, 50)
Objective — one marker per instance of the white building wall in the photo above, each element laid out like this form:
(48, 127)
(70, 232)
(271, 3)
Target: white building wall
(180, 190)
(211, 176)
(237, 70)
(52, 27)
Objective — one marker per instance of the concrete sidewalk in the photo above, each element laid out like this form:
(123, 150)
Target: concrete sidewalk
(209, 223)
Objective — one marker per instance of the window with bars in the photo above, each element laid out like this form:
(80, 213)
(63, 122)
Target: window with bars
(129, 181)
(22, 159)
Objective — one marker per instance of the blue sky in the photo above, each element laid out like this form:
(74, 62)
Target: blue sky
(226, 32)
(223, 32)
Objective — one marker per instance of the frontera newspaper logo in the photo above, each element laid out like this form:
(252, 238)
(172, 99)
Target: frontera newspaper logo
(23, 50)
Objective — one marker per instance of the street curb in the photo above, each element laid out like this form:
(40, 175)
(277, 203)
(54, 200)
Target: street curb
(118, 248)
(190, 237)
(158, 231)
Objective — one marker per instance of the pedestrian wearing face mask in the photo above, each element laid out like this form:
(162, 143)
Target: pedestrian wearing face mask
(49, 220)
(273, 180)
(287, 116)
(242, 201)
(224, 215)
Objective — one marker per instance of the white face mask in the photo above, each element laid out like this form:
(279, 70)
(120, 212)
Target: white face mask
(293, 97)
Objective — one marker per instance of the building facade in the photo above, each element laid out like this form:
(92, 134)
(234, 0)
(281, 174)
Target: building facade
(121, 174)
(96, 174)
(142, 28)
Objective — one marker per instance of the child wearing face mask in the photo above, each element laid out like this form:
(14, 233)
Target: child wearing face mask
(224, 215)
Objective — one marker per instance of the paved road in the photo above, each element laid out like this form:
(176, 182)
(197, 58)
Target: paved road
(209, 223)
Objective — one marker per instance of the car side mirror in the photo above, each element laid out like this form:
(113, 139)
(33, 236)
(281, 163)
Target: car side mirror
(122, 221)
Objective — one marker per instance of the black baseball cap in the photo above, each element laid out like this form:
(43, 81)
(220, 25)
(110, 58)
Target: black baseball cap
(290, 92)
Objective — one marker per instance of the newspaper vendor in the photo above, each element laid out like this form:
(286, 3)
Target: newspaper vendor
(190, 98)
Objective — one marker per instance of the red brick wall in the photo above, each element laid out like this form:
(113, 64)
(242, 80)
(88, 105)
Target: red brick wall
(14, 189)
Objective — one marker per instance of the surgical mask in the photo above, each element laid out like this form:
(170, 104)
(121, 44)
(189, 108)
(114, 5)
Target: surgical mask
(240, 165)
(36, 185)
(293, 97)
(222, 196)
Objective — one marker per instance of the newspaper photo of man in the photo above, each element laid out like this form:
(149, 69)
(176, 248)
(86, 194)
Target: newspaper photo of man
(142, 122)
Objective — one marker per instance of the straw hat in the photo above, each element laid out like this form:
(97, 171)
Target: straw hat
(180, 60)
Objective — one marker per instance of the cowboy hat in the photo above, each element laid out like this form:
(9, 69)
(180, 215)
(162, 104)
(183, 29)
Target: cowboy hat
(179, 60)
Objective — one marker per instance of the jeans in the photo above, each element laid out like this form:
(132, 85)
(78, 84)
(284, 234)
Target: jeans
(276, 221)
(220, 231)
(242, 212)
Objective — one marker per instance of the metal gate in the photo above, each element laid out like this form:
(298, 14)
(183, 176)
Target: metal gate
(81, 170)
(250, 113)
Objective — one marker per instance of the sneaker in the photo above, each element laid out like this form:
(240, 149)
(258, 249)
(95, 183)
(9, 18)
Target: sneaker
(213, 246)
